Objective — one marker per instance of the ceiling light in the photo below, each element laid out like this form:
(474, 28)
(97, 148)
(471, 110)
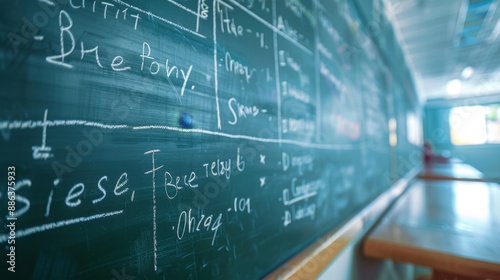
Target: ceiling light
(467, 72)
(453, 87)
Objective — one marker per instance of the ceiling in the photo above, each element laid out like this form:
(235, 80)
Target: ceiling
(442, 37)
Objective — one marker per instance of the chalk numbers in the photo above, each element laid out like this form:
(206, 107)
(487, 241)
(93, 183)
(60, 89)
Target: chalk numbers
(241, 205)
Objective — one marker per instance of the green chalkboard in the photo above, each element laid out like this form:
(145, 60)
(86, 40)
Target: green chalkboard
(183, 139)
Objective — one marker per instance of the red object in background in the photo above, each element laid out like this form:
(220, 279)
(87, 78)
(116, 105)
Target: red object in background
(427, 153)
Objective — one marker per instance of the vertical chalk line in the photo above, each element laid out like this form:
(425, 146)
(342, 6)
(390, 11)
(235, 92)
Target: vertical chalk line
(198, 16)
(44, 132)
(316, 63)
(216, 83)
(277, 74)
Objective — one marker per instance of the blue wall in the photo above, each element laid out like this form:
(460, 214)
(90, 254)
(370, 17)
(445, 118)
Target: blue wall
(485, 157)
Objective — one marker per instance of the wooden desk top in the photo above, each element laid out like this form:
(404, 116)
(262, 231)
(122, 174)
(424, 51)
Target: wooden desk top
(453, 226)
(452, 170)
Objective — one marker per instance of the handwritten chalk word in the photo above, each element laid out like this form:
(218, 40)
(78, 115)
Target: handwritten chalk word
(238, 68)
(73, 198)
(227, 24)
(240, 110)
(169, 70)
(305, 188)
(172, 187)
(218, 168)
(287, 60)
(188, 223)
(172, 183)
(109, 10)
(118, 63)
(299, 212)
(67, 37)
(302, 163)
(292, 91)
(287, 201)
(297, 126)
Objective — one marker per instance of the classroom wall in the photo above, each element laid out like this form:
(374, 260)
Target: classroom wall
(486, 157)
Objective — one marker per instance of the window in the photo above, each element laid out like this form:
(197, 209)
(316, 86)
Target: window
(414, 129)
(475, 125)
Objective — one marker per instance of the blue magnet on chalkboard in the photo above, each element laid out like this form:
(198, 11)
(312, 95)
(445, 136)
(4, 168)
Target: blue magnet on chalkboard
(186, 120)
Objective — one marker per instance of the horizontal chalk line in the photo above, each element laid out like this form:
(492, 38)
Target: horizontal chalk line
(158, 17)
(45, 227)
(30, 124)
(246, 137)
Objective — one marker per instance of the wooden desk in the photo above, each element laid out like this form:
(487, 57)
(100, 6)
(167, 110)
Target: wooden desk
(451, 170)
(450, 226)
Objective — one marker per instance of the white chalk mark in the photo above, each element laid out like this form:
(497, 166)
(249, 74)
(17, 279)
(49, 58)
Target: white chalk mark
(216, 85)
(288, 202)
(273, 27)
(11, 125)
(317, 82)
(43, 152)
(198, 16)
(226, 5)
(44, 132)
(153, 170)
(277, 73)
(262, 159)
(183, 7)
(63, 30)
(106, 4)
(48, 2)
(49, 226)
(262, 181)
(132, 197)
(30, 124)
(252, 138)
(150, 14)
(38, 37)
(49, 201)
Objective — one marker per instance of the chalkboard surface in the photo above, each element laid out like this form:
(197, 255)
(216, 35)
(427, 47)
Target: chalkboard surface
(183, 139)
